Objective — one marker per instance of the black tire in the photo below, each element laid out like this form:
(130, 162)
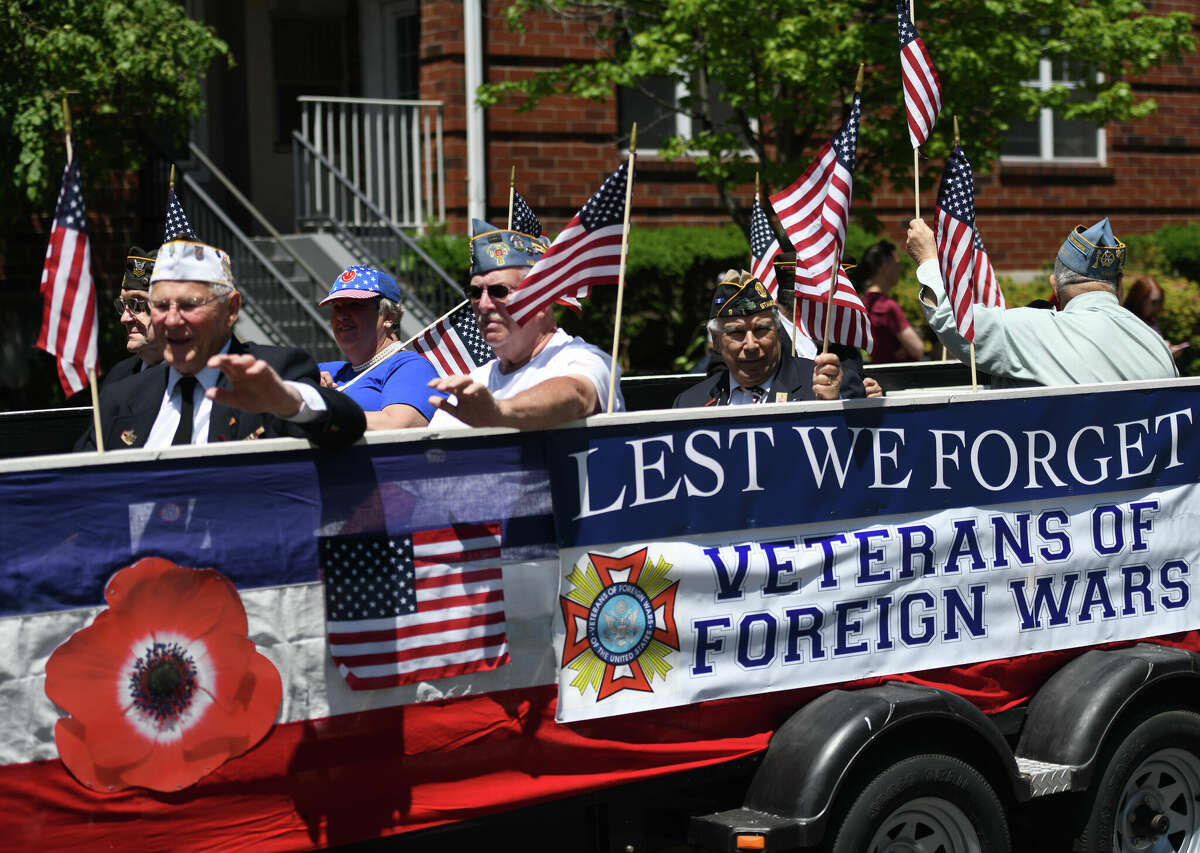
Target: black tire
(1148, 788)
(938, 803)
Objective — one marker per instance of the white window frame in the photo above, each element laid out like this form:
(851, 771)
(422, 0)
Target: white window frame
(1046, 125)
(683, 126)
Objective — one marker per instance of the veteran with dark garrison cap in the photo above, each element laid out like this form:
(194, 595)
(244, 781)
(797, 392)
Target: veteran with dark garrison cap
(210, 386)
(1090, 338)
(134, 309)
(541, 376)
(747, 332)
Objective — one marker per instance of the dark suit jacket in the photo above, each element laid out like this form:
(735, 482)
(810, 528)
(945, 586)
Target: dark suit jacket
(123, 369)
(129, 408)
(794, 378)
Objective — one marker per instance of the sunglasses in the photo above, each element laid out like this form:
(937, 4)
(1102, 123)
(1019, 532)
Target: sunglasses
(497, 292)
(132, 304)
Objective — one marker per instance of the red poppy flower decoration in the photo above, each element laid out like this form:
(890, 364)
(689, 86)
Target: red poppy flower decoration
(164, 686)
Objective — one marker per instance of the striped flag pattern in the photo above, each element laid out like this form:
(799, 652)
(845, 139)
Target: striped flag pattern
(922, 88)
(453, 345)
(586, 253)
(69, 329)
(416, 607)
(764, 248)
(964, 262)
(814, 211)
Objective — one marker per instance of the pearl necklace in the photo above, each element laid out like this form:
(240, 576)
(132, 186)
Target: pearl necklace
(378, 357)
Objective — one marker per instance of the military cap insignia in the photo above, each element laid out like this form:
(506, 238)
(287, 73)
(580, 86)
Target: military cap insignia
(128, 436)
(198, 251)
(497, 251)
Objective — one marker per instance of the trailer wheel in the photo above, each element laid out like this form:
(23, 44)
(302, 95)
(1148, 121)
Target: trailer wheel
(925, 804)
(1148, 797)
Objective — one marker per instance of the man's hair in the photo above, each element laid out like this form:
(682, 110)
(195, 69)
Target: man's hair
(393, 311)
(1065, 277)
(218, 288)
(873, 259)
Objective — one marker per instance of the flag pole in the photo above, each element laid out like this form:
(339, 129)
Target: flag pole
(406, 344)
(912, 16)
(612, 370)
(837, 260)
(171, 180)
(512, 184)
(91, 370)
(974, 374)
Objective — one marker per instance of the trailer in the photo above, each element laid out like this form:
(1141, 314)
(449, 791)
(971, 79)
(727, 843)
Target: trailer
(945, 621)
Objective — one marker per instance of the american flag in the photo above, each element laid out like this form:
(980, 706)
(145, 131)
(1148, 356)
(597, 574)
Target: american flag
(178, 227)
(966, 270)
(814, 211)
(68, 293)
(922, 88)
(523, 217)
(414, 607)
(586, 253)
(453, 344)
(764, 248)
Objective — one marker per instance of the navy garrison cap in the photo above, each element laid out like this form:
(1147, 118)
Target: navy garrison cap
(1094, 252)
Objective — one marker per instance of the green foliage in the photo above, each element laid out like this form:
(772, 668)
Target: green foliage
(784, 70)
(134, 66)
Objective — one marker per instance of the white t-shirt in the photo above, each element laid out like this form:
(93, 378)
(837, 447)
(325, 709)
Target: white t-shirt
(563, 355)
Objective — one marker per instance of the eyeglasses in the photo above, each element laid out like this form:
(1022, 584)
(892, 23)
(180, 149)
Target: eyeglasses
(187, 307)
(132, 304)
(498, 292)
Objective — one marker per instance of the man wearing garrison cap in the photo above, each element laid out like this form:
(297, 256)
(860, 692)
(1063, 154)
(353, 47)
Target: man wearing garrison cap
(210, 386)
(747, 333)
(541, 376)
(1090, 338)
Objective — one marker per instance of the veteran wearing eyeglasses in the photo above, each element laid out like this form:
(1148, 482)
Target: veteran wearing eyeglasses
(541, 376)
(134, 310)
(210, 386)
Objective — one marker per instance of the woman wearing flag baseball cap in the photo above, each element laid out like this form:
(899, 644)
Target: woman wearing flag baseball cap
(390, 384)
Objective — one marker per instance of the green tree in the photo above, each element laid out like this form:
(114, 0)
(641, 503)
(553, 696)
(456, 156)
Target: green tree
(784, 69)
(133, 65)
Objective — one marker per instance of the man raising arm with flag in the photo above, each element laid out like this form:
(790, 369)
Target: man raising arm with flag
(541, 376)
(1091, 338)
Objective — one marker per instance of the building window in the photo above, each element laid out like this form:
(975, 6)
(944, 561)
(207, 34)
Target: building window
(655, 108)
(1050, 137)
(309, 59)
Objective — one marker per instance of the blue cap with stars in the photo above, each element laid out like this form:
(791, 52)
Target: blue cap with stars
(495, 248)
(1095, 252)
(363, 283)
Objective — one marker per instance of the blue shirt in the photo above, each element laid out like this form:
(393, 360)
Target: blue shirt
(400, 378)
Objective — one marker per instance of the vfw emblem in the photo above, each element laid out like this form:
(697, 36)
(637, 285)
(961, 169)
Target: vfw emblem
(620, 622)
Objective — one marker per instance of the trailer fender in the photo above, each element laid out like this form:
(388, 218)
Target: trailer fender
(1075, 710)
(811, 753)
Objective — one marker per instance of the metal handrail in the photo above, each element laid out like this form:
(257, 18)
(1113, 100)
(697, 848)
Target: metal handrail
(302, 147)
(247, 247)
(256, 213)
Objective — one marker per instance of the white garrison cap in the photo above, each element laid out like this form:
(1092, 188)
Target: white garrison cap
(187, 260)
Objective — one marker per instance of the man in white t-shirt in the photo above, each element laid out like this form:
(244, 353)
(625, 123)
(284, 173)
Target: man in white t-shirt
(541, 376)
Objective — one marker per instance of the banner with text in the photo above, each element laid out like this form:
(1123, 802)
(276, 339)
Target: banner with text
(994, 529)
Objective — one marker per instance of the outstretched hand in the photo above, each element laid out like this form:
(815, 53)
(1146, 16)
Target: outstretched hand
(474, 404)
(256, 386)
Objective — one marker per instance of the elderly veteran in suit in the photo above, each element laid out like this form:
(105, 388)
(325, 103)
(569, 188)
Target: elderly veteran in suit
(747, 333)
(212, 387)
(1090, 338)
(541, 376)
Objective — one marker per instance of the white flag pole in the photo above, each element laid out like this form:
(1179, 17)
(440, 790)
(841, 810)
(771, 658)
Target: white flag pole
(612, 371)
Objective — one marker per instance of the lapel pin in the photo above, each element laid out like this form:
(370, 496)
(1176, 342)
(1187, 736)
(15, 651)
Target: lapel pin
(129, 437)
